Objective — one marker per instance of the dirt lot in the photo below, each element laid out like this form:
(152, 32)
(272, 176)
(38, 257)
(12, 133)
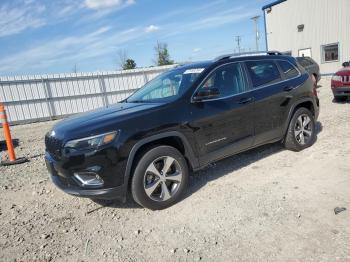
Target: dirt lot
(267, 204)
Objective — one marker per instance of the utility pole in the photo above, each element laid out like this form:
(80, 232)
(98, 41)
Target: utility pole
(238, 39)
(255, 19)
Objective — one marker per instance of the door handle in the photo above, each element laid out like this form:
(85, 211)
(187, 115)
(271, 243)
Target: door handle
(288, 88)
(246, 100)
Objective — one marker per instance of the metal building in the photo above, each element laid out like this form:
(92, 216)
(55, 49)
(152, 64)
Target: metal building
(316, 28)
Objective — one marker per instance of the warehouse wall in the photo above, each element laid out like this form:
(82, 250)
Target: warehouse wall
(325, 22)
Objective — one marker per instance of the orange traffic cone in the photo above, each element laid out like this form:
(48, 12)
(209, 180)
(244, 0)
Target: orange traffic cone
(7, 134)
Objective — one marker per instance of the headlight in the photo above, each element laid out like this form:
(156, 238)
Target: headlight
(92, 142)
(336, 78)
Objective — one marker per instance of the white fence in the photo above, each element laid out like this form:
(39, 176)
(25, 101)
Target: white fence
(37, 98)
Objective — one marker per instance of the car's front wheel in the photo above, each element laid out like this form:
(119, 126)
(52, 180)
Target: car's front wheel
(301, 131)
(160, 178)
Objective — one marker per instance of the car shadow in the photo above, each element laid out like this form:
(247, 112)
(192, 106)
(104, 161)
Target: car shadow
(128, 204)
(3, 146)
(231, 164)
(347, 101)
(319, 128)
(219, 169)
(237, 162)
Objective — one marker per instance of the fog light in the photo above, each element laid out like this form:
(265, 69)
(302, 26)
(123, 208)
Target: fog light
(89, 179)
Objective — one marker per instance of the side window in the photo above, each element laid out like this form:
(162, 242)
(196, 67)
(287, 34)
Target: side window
(288, 69)
(303, 61)
(263, 72)
(228, 79)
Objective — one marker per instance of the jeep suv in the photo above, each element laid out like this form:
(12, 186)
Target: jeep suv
(340, 83)
(179, 122)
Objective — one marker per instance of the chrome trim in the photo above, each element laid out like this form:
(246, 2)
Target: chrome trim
(92, 179)
(250, 89)
(215, 141)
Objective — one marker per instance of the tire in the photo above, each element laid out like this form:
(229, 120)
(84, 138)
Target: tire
(340, 98)
(160, 178)
(301, 133)
(314, 79)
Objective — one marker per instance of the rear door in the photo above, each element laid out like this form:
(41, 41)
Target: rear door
(272, 95)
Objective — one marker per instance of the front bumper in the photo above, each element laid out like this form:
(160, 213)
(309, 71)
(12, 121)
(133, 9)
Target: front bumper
(341, 91)
(67, 184)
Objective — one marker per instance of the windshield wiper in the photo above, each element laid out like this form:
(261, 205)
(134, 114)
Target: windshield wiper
(137, 101)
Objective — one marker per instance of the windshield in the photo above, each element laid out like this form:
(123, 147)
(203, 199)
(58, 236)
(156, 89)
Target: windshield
(167, 86)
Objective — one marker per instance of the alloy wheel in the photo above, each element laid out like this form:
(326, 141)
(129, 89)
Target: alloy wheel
(303, 129)
(162, 178)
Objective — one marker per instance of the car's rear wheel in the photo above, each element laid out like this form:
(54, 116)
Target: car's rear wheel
(340, 98)
(160, 178)
(301, 131)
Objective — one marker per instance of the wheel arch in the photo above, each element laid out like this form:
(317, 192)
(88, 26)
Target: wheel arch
(306, 103)
(171, 138)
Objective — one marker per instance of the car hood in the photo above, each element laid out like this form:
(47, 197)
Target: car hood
(344, 72)
(100, 120)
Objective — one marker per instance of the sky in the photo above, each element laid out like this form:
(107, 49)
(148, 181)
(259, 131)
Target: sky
(57, 36)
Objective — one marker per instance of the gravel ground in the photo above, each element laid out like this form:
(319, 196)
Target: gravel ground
(268, 204)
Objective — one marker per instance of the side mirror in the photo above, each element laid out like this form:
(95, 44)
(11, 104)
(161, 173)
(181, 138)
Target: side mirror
(207, 93)
(346, 64)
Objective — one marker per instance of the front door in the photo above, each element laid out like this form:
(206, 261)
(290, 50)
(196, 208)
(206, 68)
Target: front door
(223, 125)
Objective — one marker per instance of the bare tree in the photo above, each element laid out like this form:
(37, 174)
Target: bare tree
(122, 57)
(75, 68)
(162, 54)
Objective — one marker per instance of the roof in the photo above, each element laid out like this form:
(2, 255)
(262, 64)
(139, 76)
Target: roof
(272, 4)
(202, 64)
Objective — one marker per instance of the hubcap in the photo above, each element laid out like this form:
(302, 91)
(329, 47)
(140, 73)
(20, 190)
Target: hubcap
(303, 129)
(162, 178)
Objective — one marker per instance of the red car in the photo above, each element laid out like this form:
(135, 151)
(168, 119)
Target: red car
(341, 83)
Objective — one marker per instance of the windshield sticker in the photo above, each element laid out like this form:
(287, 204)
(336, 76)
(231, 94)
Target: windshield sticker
(194, 71)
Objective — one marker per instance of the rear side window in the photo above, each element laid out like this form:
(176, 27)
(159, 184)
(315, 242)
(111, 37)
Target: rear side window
(304, 61)
(288, 69)
(263, 72)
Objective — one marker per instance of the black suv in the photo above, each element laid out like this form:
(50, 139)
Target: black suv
(181, 121)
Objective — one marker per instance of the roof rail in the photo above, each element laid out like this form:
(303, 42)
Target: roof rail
(247, 54)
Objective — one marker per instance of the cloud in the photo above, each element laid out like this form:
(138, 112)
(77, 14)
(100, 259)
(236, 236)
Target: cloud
(69, 50)
(103, 4)
(209, 21)
(151, 28)
(14, 20)
(195, 50)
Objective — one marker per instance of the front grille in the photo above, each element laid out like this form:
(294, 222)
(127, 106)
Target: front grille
(345, 79)
(53, 146)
